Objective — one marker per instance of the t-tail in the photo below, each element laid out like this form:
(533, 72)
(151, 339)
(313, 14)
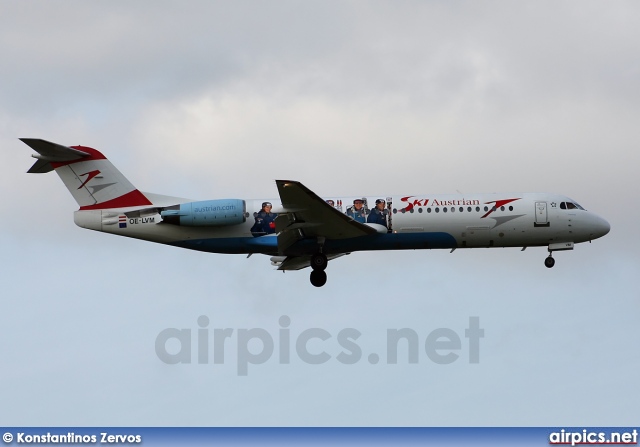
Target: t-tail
(90, 178)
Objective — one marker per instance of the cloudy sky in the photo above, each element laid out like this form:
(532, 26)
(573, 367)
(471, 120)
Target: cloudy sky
(208, 100)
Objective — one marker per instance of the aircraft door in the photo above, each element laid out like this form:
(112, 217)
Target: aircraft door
(542, 219)
(390, 213)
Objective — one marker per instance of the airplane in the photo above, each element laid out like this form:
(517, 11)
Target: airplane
(306, 230)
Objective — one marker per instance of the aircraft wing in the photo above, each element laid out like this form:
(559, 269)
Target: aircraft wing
(305, 215)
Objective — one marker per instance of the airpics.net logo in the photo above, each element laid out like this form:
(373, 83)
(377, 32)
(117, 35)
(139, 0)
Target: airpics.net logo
(313, 346)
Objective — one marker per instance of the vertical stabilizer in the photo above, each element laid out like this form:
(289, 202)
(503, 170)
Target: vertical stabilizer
(90, 178)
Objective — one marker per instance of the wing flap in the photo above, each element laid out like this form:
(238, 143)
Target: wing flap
(301, 262)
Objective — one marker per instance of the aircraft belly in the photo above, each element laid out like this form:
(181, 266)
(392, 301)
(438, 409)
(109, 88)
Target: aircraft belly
(389, 241)
(228, 245)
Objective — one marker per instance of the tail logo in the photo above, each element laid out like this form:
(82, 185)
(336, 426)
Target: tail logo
(90, 175)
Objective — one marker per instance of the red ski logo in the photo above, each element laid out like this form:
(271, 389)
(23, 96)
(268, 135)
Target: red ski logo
(498, 204)
(89, 175)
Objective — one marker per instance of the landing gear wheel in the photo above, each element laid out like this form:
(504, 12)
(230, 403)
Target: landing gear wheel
(549, 262)
(318, 278)
(319, 261)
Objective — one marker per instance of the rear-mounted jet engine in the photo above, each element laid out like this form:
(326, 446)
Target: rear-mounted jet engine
(207, 213)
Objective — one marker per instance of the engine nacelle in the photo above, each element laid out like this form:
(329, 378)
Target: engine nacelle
(207, 213)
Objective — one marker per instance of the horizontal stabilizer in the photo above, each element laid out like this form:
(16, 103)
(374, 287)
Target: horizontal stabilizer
(49, 152)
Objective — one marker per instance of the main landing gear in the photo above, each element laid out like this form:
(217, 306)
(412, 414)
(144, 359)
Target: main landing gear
(549, 261)
(318, 275)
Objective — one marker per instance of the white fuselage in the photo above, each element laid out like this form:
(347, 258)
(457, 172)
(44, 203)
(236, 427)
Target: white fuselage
(416, 221)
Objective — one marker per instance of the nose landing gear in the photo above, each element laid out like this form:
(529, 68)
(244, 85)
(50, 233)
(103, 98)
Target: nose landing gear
(557, 246)
(318, 275)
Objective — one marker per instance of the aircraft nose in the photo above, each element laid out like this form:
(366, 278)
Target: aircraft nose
(600, 227)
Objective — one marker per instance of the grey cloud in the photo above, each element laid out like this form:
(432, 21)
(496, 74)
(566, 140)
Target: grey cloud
(424, 55)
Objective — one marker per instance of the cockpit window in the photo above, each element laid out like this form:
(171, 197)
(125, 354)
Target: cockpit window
(570, 206)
